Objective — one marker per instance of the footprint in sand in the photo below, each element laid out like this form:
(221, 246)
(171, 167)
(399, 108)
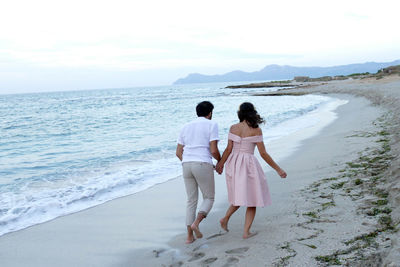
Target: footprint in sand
(214, 236)
(237, 250)
(202, 246)
(197, 256)
(231, 262)
(176, 264)
(208, 261)
(157, 252)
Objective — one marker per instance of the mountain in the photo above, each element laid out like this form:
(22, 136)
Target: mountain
(278, 72)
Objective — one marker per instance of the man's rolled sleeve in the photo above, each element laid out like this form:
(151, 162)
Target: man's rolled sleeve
(214, 132)
(181, 138)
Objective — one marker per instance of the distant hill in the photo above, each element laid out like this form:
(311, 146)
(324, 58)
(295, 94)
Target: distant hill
(278, 72)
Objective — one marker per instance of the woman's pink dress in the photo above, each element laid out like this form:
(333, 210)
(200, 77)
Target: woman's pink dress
(245, 179)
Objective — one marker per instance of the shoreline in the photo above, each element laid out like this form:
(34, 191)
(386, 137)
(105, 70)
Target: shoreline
(323, 114)
(101, 225)
(59, 186)
(105, 235)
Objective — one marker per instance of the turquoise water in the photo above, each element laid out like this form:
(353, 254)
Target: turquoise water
(67, 151)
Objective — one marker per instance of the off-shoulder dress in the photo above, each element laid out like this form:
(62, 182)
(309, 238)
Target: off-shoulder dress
(245, 178)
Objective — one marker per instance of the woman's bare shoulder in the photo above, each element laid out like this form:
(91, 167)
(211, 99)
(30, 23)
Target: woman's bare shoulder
(257, 131)
(235, 129)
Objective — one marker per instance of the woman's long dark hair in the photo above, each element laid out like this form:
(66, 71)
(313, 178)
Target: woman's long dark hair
(248, 113)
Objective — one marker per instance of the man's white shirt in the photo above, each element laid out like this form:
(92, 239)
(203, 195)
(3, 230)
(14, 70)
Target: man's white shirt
(196, 136)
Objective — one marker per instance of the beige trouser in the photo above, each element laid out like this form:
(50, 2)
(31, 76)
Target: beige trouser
(198, 174)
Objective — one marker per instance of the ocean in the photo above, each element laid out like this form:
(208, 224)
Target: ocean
(64, 152)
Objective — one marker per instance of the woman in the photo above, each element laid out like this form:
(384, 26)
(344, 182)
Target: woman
(245, 179)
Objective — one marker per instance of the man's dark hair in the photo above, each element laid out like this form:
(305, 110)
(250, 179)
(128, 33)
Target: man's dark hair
(204, 108)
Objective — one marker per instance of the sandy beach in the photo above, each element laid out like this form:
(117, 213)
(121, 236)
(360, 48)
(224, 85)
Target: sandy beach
(338, 206)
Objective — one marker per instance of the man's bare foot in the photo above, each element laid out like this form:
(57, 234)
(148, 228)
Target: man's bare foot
(190, 240)
(196, 231)
(224, 224)
(248, 235)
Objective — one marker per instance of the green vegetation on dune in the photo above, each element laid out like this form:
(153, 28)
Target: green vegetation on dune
(366, 173)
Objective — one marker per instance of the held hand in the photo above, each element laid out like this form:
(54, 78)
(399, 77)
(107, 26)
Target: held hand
(219, 168)
(282, 173)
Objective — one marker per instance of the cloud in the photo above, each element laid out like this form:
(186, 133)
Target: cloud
(187, 35)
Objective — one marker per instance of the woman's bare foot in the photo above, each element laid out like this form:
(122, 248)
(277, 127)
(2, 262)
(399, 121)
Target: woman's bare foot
(196, 231)
(190, 240)
(248, 235)
(224, 224)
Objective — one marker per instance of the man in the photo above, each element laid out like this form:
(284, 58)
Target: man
(197, 144)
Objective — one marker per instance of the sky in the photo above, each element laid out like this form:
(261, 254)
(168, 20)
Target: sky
(73, 45)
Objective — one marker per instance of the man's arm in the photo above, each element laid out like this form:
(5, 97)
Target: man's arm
(214, 150)
(179, 151)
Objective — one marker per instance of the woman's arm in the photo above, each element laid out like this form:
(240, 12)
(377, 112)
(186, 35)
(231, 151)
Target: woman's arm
(269, 160)
(267, 157)
(225, 155)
